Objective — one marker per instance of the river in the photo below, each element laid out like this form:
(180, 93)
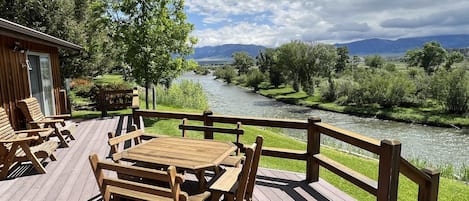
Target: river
(438, 146)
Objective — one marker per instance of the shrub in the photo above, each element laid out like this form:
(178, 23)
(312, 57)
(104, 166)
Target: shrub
(200, 70)
(186, 94)
(451, 89)
(254, 78)
(374, 61)
(242, 79)
(328, 90)
(390, 67)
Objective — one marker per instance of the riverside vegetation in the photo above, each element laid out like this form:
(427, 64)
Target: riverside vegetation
(430, 90)
(449, 189)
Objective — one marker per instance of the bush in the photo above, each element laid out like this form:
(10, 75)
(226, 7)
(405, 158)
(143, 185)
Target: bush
(254, 78)
(200, 70)
(226, 73)
(242, 79)
(374, 61)
(186, 94)
(390, 67)
(328, 90)
(81, 87)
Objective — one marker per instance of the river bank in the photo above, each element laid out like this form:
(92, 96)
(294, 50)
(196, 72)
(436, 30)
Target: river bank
(426, 116)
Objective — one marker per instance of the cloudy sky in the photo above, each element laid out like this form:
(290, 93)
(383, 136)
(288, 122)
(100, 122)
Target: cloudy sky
(274, 22)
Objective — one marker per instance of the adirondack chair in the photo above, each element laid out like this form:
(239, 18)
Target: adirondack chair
(237, 183)
(35, 119)
(115, 188)
(232, 161)
(15, 146)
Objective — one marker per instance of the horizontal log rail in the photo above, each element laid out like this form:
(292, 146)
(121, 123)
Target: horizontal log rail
(389, 151)
(117, 99)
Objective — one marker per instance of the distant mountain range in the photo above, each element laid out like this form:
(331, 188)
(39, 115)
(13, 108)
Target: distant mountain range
(222, 53)
(400, 46)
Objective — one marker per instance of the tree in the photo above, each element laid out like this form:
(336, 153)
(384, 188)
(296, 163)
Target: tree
(374, 61)
(267, 62)
(77, 21)
(453, 57)
(430, 57)
(242, 61)
(413, 57)
(320, 61)
(254, 79)
(155, 36)
(292, 58)
(451, 89)
(342, 59)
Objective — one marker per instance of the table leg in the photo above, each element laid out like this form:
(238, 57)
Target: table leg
(200, 174)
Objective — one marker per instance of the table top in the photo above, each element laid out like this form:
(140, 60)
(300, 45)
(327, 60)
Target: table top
(180, 152)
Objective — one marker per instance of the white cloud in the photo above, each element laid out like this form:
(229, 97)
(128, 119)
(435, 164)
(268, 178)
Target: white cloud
(278, 21)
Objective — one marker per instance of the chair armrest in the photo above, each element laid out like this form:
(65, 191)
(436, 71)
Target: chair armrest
(59, 116)
(48, 121)
(225, 181)
(22, 139)
(34, 130)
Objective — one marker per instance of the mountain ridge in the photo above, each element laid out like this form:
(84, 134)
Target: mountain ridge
(222, 53)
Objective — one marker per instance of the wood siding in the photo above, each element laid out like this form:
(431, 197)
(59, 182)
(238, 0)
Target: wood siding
(14, 83)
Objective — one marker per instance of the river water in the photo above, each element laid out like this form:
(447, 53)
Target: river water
(438, 146)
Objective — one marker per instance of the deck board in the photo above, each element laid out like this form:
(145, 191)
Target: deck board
(70, 177)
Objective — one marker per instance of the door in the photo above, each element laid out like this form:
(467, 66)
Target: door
(40, 81)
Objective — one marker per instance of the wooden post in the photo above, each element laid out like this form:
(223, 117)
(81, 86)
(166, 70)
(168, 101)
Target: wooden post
(208, 122)
(313, 146)
(429, 191)
(136, 118)
(388, 176)
(102, 102)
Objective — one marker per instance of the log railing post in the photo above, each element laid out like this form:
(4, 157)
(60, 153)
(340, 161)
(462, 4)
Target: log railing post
(429, 191)
(313, 146)
(208, 122)
(388, 176)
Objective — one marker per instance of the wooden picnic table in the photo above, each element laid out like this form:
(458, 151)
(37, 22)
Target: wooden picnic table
(186, 153)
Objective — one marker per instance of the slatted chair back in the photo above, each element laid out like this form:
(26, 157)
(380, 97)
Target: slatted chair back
(254, 167)
(110, 186)
(31, 109)
(6, 133)
(236, 131)
(244, 176)
(116, 141)
(15, 146)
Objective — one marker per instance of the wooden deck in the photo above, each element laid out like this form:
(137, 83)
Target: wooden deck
(70, 177)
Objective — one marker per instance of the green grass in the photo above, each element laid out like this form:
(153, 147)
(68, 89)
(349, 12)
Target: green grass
(109, 78)
(449, 189)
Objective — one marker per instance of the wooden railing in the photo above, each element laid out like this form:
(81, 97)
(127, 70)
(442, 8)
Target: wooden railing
(117, 99)
(389, 151)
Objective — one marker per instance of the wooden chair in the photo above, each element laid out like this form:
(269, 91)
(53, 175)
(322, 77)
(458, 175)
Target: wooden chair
(237, 183)
(137, 135)
(114, 188)
(15, 146)
(32, 111)
(232, 161)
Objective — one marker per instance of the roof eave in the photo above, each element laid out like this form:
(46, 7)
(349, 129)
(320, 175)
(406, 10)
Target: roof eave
(22, 30)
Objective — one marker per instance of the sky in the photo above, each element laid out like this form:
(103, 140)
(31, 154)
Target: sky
(274, 22)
